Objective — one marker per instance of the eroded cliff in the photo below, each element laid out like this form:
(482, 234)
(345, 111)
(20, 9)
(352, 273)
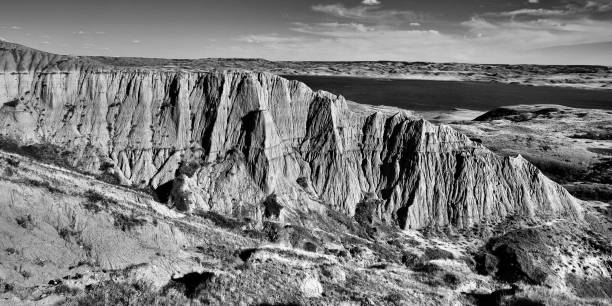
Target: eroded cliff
(257, 136)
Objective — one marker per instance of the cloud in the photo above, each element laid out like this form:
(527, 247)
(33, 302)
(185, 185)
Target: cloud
(571, 23)
(331, 28)
(268, 39)
(369, 32)
(16, 28)
(136, 41)
(2, 39)
(370, 2)
(534, 1)
(368, 13)
(80, 32)
(539, 33)
(595, 9)
(530, 12)
(347, 45)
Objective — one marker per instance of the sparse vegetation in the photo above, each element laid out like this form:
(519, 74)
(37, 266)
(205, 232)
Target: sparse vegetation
(66, 233)
(42, 184)
(64, 289)
(126, 294)
(6, 287)
(220, 220)
(11, 251)
(97, 201)
(437, 253)
(127, 223)
(46, 153)
(594, 135)
(25, 273)
(25, 222)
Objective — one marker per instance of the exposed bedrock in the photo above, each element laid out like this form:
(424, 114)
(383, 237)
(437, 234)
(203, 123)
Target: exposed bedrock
(256, 135)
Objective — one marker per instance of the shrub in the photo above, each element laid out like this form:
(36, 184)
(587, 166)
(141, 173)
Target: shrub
(124, 294)
(127, 223)
(11, 251)
(97, 201)
(451, 280)
(6, 287)
(25, 221)
(220, 220)
(410, 260)
(65, 233)
(436, 253)
(42, 184)
(272, 207)
(109, 178)
(46, 153)
(63, 289)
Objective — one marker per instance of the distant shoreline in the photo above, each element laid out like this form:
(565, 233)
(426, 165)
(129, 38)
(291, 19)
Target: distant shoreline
(447, 79)
(434, 96)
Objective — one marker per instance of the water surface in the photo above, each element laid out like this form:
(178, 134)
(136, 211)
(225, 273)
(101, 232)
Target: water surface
(425, 95)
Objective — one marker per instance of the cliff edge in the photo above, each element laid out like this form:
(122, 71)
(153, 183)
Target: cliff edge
(256, 139)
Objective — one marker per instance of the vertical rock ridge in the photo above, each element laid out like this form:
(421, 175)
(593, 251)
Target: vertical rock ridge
(261, 134)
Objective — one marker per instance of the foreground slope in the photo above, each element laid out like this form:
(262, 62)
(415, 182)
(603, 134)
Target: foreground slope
(69, 239)
(272, 139)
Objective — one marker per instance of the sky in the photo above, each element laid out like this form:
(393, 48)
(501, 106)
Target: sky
(476, 31)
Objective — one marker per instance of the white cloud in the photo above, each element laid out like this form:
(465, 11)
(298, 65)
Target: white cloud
(331, 28)
(2, 39)
(534, 1)
(368, 13)
(370, 2)
(16, 28)
(80, 32)
(136, 41)
(539, 33)
(530, 12)
(268, 39)
(365, 32)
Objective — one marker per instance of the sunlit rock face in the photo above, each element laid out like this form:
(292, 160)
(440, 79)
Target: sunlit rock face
(255, 135)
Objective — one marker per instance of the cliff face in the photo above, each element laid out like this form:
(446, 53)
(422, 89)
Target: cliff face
(262, 137)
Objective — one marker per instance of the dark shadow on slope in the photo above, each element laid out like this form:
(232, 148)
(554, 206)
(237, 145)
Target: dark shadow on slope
(191, 284)
(163, 191)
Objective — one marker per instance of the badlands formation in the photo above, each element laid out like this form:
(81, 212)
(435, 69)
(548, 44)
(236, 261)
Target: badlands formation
(259, 190)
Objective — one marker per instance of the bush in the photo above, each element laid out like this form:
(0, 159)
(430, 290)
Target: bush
(65, 290)
(124, 294)
(25, 221)
(436, 253)
(272, 208)
(65, 233)
(410, 260)
(97, 201)
(42, 184)
(220, 220)
(6, 287)
(127, 223)
(46, 153)
(451, 280)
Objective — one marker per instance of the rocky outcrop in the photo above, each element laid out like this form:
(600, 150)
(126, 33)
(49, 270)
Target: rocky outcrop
(256, 135)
